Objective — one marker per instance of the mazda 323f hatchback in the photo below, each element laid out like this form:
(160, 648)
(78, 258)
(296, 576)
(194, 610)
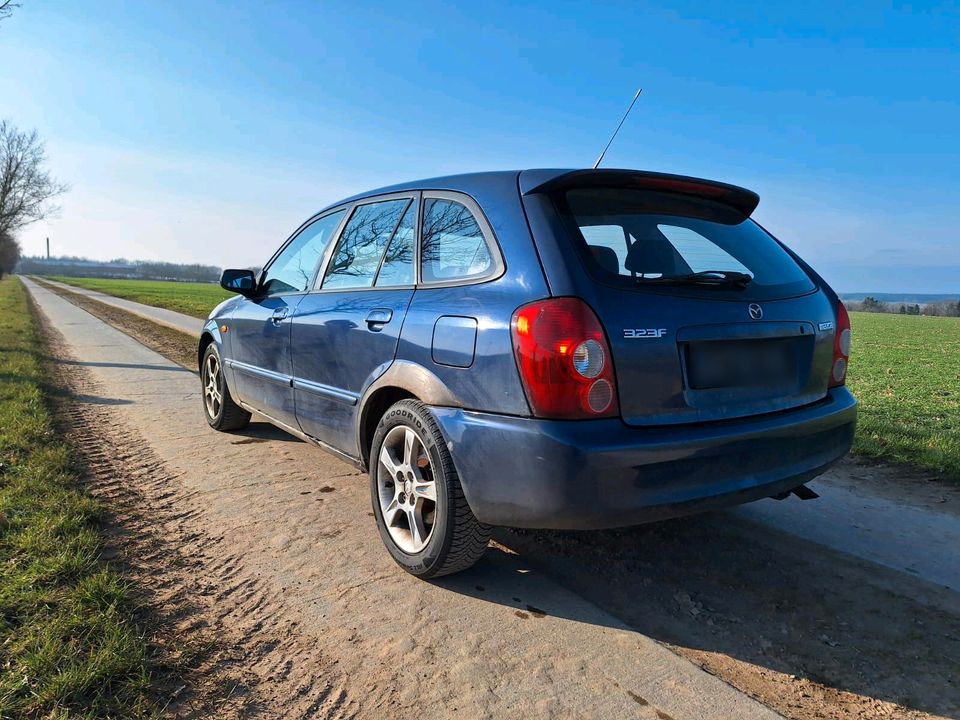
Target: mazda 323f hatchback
(571, 349)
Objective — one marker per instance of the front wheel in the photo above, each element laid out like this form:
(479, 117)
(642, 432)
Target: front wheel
(221, 411)
(422, 515)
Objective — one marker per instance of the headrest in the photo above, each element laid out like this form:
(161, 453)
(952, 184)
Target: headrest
(651, 256)
(606, 258)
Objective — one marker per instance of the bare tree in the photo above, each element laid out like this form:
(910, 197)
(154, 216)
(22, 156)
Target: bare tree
(9, 254)
(6, 8)
(26, 188)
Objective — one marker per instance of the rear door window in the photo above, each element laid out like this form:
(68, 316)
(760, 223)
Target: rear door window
(362, 243)
(397, 266)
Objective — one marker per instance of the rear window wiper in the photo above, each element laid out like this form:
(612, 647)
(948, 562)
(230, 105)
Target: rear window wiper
(721, 278)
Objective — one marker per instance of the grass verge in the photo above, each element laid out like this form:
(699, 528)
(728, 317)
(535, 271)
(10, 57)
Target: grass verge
(196, 299)
(69, 643)
(905, 372)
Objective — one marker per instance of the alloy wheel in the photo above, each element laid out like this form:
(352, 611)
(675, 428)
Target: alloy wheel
(407, 489)
(212, 379)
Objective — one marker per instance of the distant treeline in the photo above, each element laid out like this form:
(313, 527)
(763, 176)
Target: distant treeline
(899, 299)
(943, 308)
(120, 268)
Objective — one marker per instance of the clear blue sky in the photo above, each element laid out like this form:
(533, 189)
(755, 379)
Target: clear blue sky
(202, 131)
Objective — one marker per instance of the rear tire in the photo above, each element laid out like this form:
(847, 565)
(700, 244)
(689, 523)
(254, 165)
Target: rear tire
(423, 518)
(219, 408)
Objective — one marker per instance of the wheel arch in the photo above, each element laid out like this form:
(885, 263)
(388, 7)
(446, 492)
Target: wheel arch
(401, 381)
(205, 340)
(209, 334)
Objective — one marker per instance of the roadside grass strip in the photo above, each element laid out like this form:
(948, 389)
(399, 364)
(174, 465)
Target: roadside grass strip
(196, 299)
(69, 643)
(905, 372)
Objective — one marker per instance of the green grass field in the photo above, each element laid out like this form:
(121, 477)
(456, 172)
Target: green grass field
(196, 299)
(69, 646)
(905, 371)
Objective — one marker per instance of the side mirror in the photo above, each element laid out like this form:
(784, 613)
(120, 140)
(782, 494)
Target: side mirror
(239, 281)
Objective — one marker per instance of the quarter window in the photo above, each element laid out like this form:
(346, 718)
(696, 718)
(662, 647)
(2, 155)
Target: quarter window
(452, 245)
(357, 257)
(293, 269)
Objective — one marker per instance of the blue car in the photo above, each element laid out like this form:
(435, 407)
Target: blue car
(571, 349)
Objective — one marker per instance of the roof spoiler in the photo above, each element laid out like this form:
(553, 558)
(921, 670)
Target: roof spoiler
(738, 198)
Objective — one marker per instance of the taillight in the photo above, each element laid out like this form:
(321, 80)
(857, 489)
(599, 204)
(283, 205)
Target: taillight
(564, 360)
(841, 347)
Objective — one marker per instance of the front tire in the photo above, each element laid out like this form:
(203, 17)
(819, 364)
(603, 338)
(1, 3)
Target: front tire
(423, 518)
(219, 408)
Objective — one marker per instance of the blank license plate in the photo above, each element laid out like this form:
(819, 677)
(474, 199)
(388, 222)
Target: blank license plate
(743, 363)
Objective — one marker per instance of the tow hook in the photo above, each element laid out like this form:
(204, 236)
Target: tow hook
(801, 491)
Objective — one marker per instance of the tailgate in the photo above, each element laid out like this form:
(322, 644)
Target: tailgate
(686, 360)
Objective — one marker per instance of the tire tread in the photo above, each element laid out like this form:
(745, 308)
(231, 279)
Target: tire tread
(470, 537)
(232, 416)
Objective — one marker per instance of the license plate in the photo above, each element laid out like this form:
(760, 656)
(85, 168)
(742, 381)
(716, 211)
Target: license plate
(743, 363)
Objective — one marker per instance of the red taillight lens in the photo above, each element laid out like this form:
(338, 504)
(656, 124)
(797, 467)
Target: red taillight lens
(841, 348)
(564, 360)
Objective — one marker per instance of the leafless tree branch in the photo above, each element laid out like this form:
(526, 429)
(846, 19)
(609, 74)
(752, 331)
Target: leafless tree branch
(26, 188)
(6, 8)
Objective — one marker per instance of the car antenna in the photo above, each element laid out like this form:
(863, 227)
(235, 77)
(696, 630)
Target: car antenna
(632, 103)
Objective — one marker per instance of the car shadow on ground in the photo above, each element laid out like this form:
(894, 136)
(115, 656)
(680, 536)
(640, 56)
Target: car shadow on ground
(742, 599)
(261, 430)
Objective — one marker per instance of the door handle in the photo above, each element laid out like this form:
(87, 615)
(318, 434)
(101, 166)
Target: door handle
(278, 315)
(378, 318)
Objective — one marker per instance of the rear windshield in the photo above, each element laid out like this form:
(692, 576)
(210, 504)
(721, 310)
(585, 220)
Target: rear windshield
(647, 239)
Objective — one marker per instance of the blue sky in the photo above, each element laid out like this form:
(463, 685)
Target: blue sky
(206, 131)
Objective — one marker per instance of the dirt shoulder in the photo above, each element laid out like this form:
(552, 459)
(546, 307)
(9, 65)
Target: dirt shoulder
(809, 631)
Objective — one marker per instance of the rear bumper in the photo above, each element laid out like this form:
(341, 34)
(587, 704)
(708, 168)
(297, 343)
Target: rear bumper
(525, 472)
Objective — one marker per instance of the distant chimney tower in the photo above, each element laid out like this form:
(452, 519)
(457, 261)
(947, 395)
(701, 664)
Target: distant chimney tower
(48, 248)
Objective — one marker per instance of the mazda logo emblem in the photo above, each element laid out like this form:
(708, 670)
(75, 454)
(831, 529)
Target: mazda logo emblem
(756, 312)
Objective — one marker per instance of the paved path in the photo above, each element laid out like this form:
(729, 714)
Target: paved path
(297, 520)
(178, 321)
